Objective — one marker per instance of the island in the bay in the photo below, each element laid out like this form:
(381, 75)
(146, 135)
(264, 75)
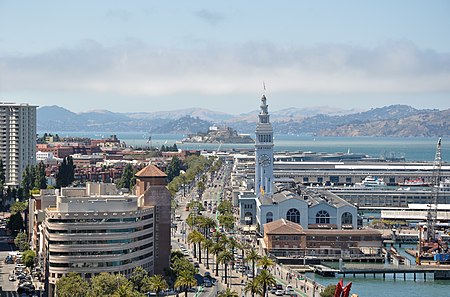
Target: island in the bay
(217, 134)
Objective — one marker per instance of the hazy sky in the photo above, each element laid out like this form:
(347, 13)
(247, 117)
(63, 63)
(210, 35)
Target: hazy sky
(164, 55)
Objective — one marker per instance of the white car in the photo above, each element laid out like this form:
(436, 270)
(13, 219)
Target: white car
(279, 292)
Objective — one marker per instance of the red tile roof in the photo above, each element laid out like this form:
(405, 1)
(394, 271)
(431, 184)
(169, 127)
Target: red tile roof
(283, 226)
(151, 171)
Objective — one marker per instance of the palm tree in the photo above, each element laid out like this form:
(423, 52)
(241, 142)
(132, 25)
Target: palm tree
(265, 262)
(265, 279)
(228, 293)
(216, 249)
(207, 244)
(185, 280)
(253, 287)
(226, 257)
(156, 283)
(252, 256)
(195, 237)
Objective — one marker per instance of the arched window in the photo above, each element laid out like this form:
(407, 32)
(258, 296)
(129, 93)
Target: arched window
(269, 217)
(347, 218)
(293, 215)
(248, 218)
(322, 217)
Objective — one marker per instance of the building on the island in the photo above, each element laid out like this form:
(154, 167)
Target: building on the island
(283, 238)
(311, 208)
(97, 229)
(18, 139)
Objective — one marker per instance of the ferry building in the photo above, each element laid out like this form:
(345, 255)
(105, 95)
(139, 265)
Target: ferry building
(311, 208)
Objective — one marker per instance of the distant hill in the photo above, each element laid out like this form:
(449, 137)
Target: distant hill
(393, 120)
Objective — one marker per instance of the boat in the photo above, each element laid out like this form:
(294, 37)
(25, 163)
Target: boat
(416, 182)
(371, 182)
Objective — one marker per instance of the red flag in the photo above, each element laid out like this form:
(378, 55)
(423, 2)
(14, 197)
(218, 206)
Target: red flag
(338, 290)
(346, 290)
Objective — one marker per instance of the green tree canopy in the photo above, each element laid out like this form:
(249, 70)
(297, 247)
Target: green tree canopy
(105, 284)
(66, 173)
(15, 223)
(28, 258)
(21, 241)
(138, 278)
(156, 283)
(72, 285)
(127, 180)
(329, 291)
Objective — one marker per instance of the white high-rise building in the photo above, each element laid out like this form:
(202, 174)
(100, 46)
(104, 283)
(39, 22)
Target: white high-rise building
(17, 139)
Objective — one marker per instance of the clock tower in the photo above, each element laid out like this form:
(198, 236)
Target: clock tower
(263, 152)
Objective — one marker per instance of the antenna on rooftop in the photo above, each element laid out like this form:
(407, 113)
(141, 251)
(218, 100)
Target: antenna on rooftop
(264, 88)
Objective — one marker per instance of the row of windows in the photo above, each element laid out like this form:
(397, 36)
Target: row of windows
(265, 138)
(112, 241)
(103, 253)
(322, 217)
(102, 231)
(101, 220)
(101, 264)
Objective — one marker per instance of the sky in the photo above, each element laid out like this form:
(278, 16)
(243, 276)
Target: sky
(146, 56)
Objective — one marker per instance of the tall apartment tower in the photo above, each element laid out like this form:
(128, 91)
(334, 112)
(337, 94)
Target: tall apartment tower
(264, 152)
(17, 139)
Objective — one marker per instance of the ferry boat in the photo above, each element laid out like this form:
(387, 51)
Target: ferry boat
(417, 182)
(371, 182)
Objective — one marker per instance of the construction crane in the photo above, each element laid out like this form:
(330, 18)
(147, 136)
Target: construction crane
(428, 242)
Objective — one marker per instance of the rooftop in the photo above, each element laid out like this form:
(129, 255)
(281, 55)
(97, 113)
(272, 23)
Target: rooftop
(151, 171)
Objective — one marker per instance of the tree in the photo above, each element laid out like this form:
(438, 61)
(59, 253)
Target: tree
(225, 257)
(72, 285)
(253, 256)
(174, 168)
(253, 287)
(127, 180)
(105, 284)
(329, 291)
(15, 223)
(185, 281)
(28, 258)
(265, 262)
(216, 249)
(138, 278)
(40, 180)
(207, 244)
(18, 207)
(21, 241)
(28, 177)
(227, 221)
(195, 237)
(66, 173)
(156, 283)
(126, 290)
(265, 279)
(228, 293)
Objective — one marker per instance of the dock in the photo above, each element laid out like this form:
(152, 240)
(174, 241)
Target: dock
(422, 272)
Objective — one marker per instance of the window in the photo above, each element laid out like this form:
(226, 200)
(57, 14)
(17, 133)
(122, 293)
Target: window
(323, 217)
(293, 215)
(269, 217)
(347, 218)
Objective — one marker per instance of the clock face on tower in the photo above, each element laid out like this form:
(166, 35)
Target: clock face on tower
(264, 160)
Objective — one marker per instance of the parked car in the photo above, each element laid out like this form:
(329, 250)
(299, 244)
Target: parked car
(279, 292)
(288, 290)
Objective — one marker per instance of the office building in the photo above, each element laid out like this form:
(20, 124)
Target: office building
(17, 139)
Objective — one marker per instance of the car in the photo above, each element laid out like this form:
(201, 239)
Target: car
(279, 292)
(207, 283)
(288, 290)
(250, 274)
(12, 277)
(196, 265)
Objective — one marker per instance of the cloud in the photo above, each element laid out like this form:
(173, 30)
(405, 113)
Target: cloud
(119, 14)
(137, 69)
(212, 18)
